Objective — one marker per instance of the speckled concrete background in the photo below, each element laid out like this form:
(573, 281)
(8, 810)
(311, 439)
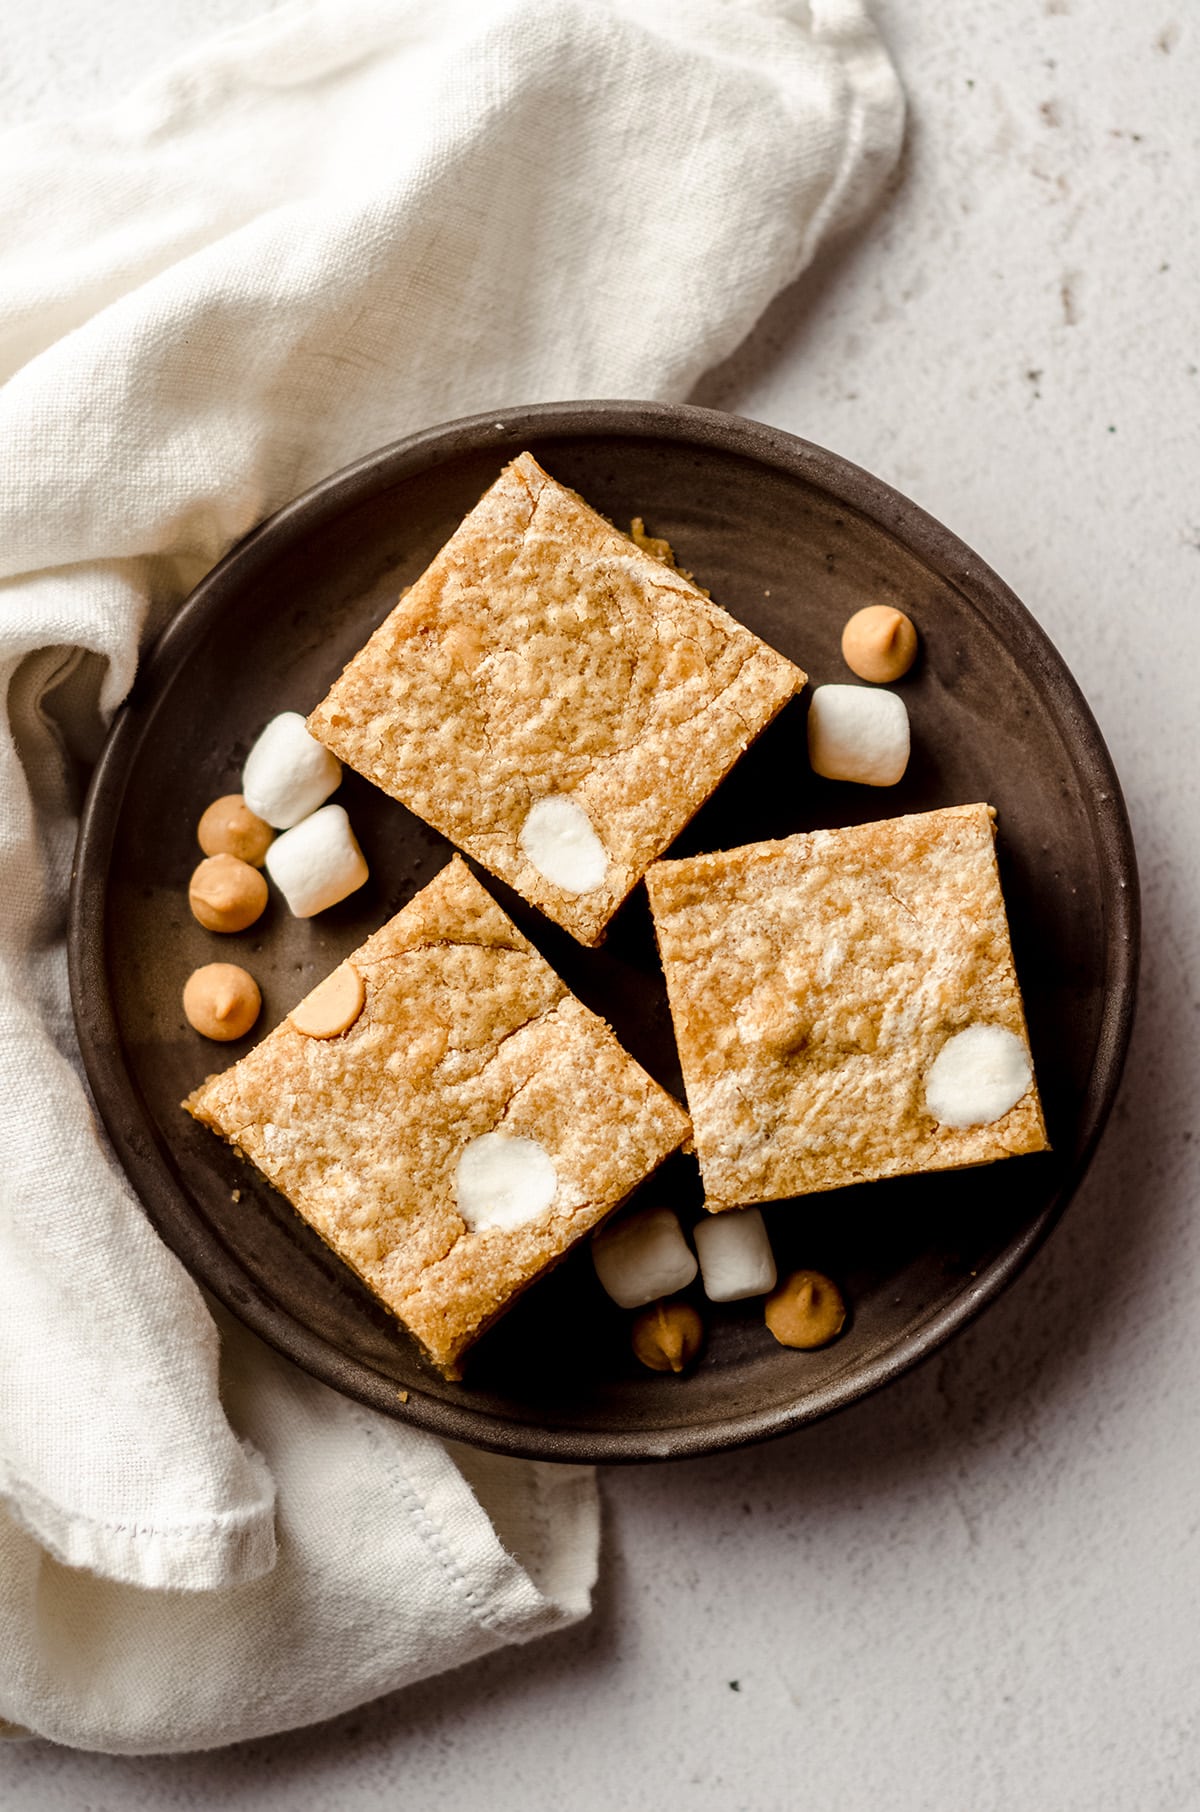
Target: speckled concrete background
(976, 1591)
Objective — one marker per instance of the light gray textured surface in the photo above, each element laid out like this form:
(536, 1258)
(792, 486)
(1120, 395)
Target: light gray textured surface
(975, 1591)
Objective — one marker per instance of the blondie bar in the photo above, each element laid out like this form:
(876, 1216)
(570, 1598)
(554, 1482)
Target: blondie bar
(553, 698)
(471, 1123)
(846, 1007)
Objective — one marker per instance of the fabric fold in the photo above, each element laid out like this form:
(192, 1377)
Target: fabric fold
(389, 1567)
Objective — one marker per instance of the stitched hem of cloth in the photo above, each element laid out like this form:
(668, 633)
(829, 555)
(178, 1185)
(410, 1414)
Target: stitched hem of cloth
(566, 1496)
(494, 1587)
(195, 1554)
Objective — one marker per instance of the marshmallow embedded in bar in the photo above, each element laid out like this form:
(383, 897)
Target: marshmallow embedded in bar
(643, 1256)
(504, 1180)
(856, 734)
(288, 773)
(735, 1255)
(559, 839)
(317, 863)
(978, 1076)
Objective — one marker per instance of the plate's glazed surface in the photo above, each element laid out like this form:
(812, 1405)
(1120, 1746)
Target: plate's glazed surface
(791, 539)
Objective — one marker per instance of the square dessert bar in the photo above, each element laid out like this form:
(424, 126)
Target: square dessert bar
(465, 1032)
(813, 984)
(553, 698)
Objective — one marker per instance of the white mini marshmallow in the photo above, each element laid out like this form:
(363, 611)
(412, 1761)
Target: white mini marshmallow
(559, 839)
(288, 773)
(858, 733)
(317, 863)
(735, 1255)
(503, 1180)
(643, 1256)
(977, 1076)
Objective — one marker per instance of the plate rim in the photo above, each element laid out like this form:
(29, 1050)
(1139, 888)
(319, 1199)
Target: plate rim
(204, 1254)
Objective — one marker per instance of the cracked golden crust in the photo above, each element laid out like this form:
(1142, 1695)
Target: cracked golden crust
(466, 1030)
(812, 983)
(544, 652)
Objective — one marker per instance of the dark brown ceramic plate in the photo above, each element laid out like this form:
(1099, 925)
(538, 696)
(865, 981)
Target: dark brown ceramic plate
(791, 539)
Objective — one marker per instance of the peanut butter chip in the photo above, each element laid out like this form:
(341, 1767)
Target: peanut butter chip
(221, 1001)
(333, 1006)
(230, 828)
(879, 644)
(667, 1336)
(226, 894)
(806, 1310)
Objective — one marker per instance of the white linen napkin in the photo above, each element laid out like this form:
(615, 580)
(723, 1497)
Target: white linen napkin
(341, 223)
